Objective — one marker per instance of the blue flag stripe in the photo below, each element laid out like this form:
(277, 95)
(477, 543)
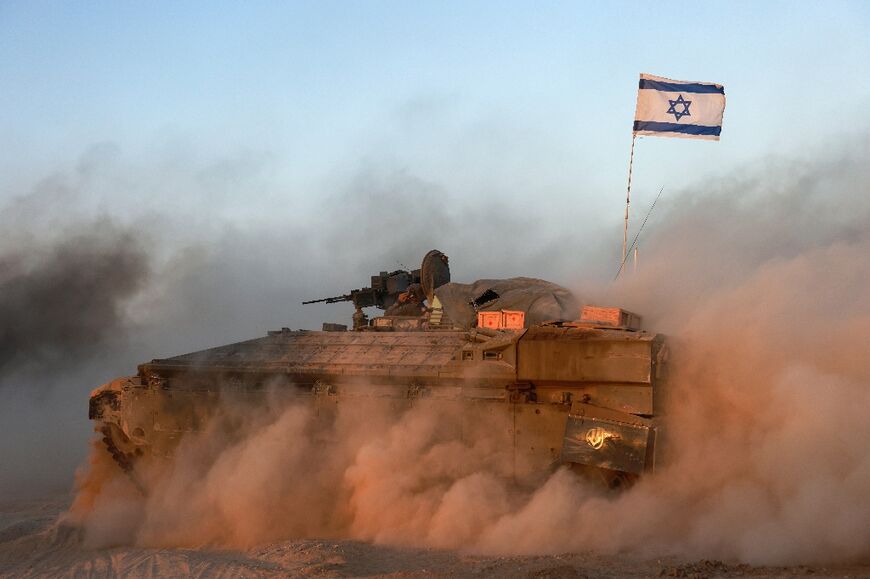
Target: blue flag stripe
(680, 87)
(676, 128)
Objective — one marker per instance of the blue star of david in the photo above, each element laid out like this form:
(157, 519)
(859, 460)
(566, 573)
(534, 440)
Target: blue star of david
(679, 114)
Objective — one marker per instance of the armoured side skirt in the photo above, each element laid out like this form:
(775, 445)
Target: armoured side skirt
(538, 434)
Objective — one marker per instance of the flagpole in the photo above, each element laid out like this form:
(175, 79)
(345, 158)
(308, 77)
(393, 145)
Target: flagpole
(627, 204)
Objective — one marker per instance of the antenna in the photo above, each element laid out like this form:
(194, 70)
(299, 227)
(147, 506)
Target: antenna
(634, 243)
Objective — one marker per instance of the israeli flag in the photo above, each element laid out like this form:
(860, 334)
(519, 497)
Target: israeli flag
(677, 108)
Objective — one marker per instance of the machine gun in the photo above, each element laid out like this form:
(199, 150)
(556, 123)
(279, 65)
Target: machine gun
(387, 286)
(384, 292)
(335, 300)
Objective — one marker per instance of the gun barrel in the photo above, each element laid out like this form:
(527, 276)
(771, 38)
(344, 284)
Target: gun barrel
(332, 300)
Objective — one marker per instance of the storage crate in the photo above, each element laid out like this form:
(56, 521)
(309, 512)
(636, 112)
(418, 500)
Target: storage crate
(330, 327)
(511, 320)
(501, 320)
(382, 322)
(491, 320)
(615, 317)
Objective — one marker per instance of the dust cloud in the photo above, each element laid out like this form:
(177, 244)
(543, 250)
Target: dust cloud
(763, 286)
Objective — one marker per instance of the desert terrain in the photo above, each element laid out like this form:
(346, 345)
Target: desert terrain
(33, 543)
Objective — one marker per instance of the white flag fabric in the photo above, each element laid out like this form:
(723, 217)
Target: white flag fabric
(677, 108)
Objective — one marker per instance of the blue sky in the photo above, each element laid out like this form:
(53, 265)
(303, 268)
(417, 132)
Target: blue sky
(525, 102)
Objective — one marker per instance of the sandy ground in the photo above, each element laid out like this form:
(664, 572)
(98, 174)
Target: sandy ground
(34, 544)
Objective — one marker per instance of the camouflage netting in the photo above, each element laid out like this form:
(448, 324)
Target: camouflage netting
(541, 300)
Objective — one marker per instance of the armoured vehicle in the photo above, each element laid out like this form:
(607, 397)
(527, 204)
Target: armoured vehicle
(556, 389)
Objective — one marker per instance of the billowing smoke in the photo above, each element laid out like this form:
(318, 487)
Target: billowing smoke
(66, 285)
(69, 273)
(62, 303)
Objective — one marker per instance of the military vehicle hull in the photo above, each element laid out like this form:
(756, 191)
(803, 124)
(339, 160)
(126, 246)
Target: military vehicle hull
(560, 393)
